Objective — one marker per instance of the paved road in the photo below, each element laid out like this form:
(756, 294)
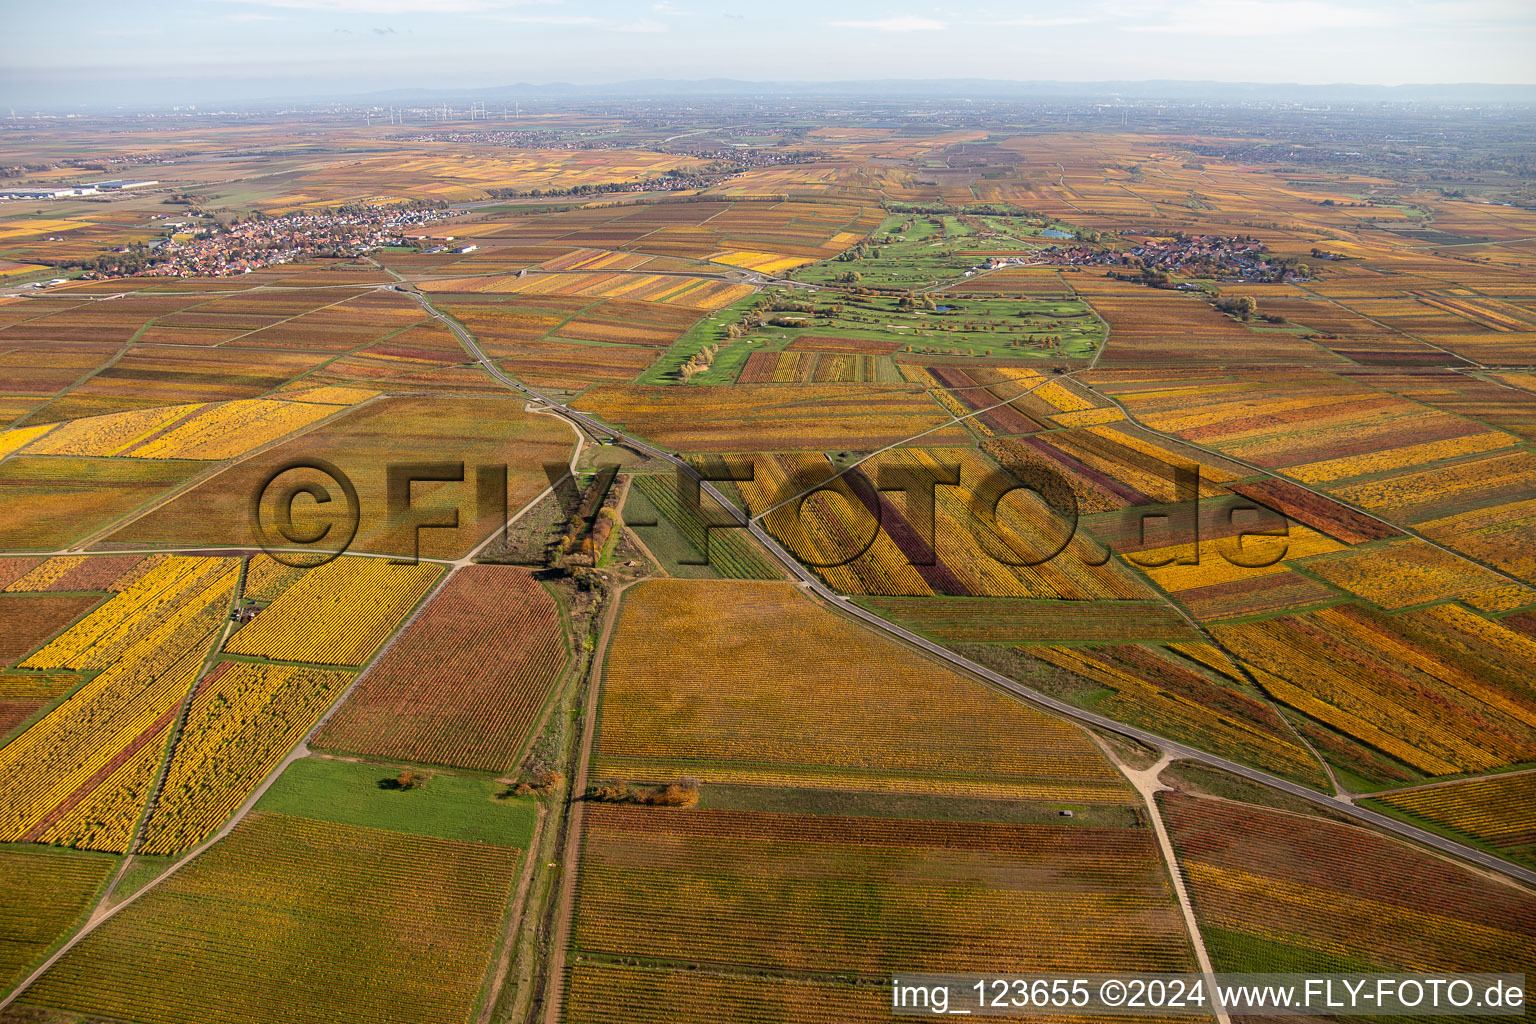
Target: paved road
(1002, 682)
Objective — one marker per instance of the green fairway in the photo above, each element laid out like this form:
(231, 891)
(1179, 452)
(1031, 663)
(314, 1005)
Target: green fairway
(991, 327)
(711, 330)
(919, 250)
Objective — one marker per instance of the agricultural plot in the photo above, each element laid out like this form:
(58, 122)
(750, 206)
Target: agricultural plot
(1276, 420)
(1190, 691)
(682, 537)
(1278, 891)
(1410, 571)
(1423, 496)
(1480, 507)
(763, 417)
(788, 894)
(857, 801)
(80, 775)
(830, 897)
(1108, 466)
(198, 341)
(156, 375)
(1497, 812)
(36, 374)
(1014, 620)
(571, 366)
(362, 444)
(1315, 511)
(416, 361)
(566, 342)
(529, 329)
(1434, 691)
(463, 684)
(338, 613)
(242, 721)
(768, 236)
(455, 807)
(27, 620)
(615, 993)
(720, 708)
(989, 534)
(999, 401)
(48, 503)
(433, 171)
(263, 913)
(266, 577)
(1453, 480)
(1150, 327)
(13, 569)
(43, 895)
(624, 321)
(1267, 594)
(199, 432)
(1222, 561)
(110, 434)
(25, 694)
(697, 293)
(63, 573)
(1481, 399)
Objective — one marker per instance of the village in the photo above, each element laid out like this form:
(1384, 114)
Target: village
(263, 241)
(1211, 257)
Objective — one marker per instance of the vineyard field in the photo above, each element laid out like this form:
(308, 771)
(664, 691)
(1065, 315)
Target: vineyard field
(680, 537)
(285, 918)
(347, 607)
(49, 503)
(28, 620)
(733, 706)
(363, 443)
(80, 775)
(1457, 703)
(43, 894)
(1276, 891)
(818, 896)
(1498, 811)
(365, 658)
(464, 683)
(1005, 620)
(242, 721)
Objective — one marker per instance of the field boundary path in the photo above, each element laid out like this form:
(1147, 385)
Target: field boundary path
(503, 964)
(1147, 784)
(1182, 751)
(571, 859)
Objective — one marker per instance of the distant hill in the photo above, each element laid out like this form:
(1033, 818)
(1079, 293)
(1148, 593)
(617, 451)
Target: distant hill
(54, 93)
(982, 88)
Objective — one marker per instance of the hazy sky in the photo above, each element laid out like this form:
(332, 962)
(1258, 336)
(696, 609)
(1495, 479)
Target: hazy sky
(229, 48)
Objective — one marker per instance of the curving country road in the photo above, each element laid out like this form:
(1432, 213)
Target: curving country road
(1002, 682)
